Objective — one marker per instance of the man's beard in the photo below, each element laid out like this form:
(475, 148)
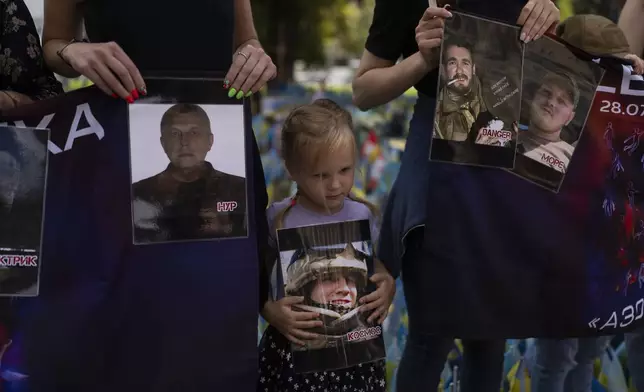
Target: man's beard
(452, 84)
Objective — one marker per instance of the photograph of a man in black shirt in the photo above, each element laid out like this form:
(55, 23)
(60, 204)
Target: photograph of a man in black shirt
(190, 199)
(23, 171)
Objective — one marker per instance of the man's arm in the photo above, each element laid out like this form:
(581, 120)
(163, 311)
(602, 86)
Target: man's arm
(245, 32)
(630, 21)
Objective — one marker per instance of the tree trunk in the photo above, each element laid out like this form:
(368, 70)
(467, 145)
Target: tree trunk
(280, 39)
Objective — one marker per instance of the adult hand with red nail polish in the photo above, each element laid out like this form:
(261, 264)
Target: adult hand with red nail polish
(107, 66)
(252, 68)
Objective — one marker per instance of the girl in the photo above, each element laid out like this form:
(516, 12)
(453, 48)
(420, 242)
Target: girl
(319, 151)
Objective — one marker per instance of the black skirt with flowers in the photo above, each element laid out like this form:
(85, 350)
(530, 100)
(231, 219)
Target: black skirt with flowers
(276, 373)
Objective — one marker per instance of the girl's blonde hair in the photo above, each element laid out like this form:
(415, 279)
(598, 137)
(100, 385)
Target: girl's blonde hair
(309, 133)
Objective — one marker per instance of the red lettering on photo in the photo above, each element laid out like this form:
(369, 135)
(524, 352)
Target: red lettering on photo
(505, 135)
(226, 206)
(364, 334)
(552, 161)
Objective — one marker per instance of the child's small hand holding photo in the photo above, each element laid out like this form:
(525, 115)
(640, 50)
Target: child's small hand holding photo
(380, 300)
(292, 324)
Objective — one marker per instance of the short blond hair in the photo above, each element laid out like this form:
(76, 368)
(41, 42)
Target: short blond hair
(309, 133)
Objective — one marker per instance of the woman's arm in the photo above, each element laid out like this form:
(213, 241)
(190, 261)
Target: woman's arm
(245, 32)
(63, 22)
(378, 81)
(631, 22)
(252, 68)
(379, 78)
(23, 69)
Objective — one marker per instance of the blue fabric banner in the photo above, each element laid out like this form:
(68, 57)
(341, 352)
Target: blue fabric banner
(112, 315)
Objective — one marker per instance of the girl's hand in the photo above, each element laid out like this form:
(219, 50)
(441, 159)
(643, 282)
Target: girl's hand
(107, 65)
(380, 299)
(289, 322)
(252, 68)
(538, 17)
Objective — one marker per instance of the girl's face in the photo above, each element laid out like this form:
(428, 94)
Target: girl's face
(336, 290)
(324, 187)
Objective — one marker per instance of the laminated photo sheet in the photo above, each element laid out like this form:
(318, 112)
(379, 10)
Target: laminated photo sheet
(558, 91)
(330, 265)
(479, 93)
(188, 163)
(23, 180)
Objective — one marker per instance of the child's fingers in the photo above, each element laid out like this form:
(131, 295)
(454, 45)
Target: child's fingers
(304, 316)
(372, 305)
(308, 324)
(294, 339)
(300, 334)
(378, 277)
(375, 315)
(383, 317)
(291, 300)
(370, 297)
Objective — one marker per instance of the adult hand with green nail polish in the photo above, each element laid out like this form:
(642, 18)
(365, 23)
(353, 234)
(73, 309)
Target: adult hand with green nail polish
(252, 68)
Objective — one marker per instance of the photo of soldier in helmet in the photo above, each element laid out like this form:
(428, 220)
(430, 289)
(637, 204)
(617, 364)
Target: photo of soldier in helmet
(332, 279)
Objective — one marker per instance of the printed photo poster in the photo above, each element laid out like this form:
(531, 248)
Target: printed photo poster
(329, 265)
(557, 94)
(479, 98)
(187, 163)
(23, 178)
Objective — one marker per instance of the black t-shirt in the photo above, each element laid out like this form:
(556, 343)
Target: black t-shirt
(392, 33)
(164, 35)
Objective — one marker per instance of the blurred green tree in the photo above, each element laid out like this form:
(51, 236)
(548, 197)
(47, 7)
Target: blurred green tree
(346, 26)
(565, 7)
(308, 30)
(607, 8)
